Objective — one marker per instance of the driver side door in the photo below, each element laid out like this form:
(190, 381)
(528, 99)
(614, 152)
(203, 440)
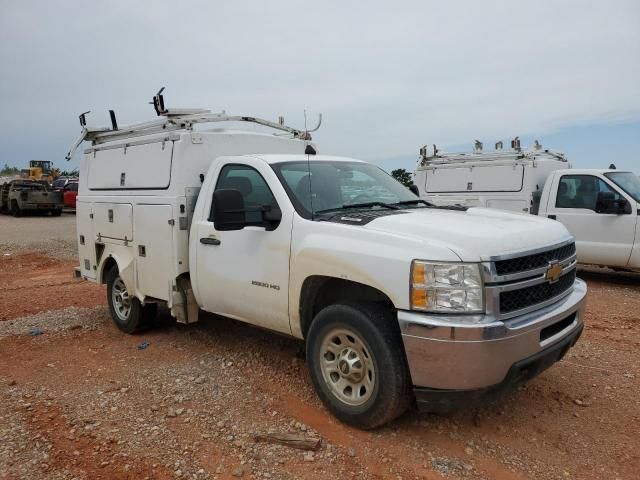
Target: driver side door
(244, 274)
(601, 238)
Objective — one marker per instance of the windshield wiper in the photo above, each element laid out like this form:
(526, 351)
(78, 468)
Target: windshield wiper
(414, 202)
(360, 205)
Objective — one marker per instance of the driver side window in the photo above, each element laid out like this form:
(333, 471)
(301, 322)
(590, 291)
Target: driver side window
(254, 189)
(581, 191)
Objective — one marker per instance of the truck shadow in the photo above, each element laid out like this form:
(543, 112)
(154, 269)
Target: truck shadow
(605, 275)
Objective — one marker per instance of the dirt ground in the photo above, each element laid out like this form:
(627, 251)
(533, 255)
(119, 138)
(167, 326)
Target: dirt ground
(80, 400)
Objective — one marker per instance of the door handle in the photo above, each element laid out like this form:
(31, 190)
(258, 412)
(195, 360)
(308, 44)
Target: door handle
(210, 241)
(552, 217)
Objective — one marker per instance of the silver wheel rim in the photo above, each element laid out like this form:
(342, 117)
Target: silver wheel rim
(347, 367)
(120, 299)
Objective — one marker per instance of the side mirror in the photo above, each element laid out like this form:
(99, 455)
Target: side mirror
(624, 206)
(607, 203)
(230, 213)
(414, 188)
(271, 217)
(228, 210)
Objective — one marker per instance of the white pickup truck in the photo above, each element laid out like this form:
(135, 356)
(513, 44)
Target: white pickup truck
(395, 300)
(600, 207)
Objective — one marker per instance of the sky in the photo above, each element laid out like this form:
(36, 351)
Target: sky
(388, 77)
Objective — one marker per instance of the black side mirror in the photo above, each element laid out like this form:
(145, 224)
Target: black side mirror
(414, 188)
(624, 206)
(271, 217)
(228, 210)
(230, 213)
(606, 203)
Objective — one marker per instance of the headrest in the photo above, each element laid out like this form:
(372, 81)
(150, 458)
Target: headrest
(238, 183)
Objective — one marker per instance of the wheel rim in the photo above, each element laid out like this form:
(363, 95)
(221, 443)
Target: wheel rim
(120, 299)
(347, 367)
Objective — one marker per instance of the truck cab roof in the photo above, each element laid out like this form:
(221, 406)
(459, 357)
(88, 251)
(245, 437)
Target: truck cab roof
(282, 158)
(591, 171)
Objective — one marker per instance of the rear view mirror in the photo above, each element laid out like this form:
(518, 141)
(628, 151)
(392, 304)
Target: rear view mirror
(606, 203)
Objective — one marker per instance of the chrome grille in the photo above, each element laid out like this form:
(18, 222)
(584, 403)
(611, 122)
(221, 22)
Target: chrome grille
(513, 300)
(537, 260)
(525, 282)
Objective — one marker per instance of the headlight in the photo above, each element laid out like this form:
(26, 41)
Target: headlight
(446, 287)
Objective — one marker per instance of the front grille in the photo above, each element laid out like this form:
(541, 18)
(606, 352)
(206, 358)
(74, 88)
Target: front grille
(513, 300)
(537, 260)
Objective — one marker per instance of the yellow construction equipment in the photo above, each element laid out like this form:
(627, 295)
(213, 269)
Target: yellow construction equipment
(40, 170)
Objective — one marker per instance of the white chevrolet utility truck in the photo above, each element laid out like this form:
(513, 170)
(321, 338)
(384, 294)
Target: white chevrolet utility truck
(395, 299)
(600, 207)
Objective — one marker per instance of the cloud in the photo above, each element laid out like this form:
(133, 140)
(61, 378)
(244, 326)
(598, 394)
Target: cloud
(389, 76)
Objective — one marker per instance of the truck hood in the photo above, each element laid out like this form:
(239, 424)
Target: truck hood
(475, 234)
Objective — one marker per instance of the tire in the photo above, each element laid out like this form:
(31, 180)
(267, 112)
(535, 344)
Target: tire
(129, 315)
(374, 387)
(15, 209)
(56, 213)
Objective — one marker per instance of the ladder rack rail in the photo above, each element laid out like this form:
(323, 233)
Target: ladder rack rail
(461, 158)
(180, 122)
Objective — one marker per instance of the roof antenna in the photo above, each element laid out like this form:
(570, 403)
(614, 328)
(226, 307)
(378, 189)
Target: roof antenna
(612, 166)
(308, 150)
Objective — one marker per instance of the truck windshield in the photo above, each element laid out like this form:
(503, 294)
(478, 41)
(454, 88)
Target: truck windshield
(627, 181)
(322, 186)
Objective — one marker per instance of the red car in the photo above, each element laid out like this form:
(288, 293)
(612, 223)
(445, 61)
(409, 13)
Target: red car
(70, 193)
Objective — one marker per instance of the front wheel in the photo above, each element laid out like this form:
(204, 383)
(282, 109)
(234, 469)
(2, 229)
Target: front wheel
(15, 209)
(357, 364)
(127, 312)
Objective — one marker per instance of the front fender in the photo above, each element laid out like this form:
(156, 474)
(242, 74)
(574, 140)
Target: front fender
(373, 258)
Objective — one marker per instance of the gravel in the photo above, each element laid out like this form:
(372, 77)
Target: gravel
(55, 321)
(52, 236)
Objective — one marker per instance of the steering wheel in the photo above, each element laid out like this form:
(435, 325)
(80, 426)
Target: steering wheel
(362, 198)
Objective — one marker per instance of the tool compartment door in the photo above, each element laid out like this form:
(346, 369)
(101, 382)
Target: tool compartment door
(86, 240)
(479, 178)
(134, 167)
(113, 221)
(154, 255)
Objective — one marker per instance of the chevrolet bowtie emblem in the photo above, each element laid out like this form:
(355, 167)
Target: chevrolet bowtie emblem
(553, 272)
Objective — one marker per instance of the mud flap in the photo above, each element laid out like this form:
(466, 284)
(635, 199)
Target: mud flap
(184, 306)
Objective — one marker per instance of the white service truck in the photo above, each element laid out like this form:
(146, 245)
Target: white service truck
(600, 207)
(395, 300)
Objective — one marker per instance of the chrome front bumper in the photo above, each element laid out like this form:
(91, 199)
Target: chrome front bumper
(453, 353)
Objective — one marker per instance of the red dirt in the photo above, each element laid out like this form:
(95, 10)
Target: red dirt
(49, 283)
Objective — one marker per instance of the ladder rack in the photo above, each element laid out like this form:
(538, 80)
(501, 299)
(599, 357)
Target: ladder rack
(179, 122)
(175, 119)
(508, 156)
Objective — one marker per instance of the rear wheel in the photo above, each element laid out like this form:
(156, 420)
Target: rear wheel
(357, 364)
(127, 312)
(56, 213)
